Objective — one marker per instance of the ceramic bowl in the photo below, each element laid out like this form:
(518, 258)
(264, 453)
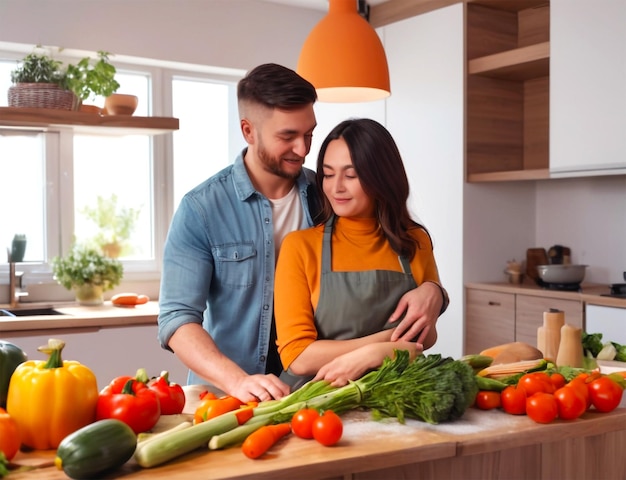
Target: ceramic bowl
(120, 104)
(561, 273)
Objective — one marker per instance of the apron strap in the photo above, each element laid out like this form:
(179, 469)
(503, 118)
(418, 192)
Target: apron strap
(327, 245)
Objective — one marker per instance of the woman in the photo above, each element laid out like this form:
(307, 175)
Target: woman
(338, 283)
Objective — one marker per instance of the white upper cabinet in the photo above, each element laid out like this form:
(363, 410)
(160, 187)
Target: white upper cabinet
(587, 87)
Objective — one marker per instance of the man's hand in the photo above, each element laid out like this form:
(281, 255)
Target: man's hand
(421, 307)
(259, 388)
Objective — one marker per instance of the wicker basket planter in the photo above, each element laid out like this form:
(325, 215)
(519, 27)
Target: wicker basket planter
(42, 95)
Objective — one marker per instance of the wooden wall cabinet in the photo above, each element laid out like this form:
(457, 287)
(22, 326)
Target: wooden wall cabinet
(507, 114)
(493, 318)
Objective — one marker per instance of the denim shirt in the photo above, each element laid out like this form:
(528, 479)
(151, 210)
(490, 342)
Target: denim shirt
(218, 265)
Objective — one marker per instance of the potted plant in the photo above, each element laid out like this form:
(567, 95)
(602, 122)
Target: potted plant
(40, 82)
(90, 77)
(88, 273)
(115, 225)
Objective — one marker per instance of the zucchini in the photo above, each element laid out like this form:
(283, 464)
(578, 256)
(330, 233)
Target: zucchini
(96, 448)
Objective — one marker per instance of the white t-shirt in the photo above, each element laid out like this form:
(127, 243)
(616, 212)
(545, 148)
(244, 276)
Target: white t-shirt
(287, 213)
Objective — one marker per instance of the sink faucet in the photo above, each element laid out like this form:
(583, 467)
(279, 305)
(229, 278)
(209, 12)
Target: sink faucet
(15, 278)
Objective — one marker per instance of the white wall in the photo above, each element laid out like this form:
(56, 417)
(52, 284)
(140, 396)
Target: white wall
(425, 116)
(226, 33)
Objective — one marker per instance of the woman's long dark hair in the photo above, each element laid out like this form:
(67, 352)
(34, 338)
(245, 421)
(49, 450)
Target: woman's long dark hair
(380, 169)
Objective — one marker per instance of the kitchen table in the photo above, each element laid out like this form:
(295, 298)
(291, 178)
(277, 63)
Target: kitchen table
(481, 445)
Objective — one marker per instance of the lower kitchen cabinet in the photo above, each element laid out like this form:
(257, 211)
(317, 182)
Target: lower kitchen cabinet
(493, 318)
(489, 319)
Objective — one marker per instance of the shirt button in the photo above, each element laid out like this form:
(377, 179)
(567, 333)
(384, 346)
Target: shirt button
(266, 307)
(262, 358)
(267, 220)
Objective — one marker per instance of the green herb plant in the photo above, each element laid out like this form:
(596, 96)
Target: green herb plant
(85, 265)
(115, 224)
(39, 68)
(90, 77)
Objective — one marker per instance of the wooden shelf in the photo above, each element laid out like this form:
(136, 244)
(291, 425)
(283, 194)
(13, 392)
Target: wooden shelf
(45, 119)
(519, 64)
(538, 174)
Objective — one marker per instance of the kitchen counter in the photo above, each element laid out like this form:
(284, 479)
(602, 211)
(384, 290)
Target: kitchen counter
(78, 316)
(591, 294)
(481, 445)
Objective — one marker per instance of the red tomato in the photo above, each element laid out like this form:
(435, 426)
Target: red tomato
(581, 385)
(536, 382)
(487, 400)
(571, 402)
(9, 435)
(327, 428)
(302, 422)
(557, 380)
(542, 407)
(513, 400)
(605, 394)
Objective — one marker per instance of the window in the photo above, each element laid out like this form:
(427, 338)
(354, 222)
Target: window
(56, 185)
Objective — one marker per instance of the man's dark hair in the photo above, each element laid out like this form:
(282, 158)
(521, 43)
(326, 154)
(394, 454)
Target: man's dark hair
(275, 86)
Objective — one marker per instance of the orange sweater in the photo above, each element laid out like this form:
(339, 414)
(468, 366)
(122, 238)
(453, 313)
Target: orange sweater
(357, 245)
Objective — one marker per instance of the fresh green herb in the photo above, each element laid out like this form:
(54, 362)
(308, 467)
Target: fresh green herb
(3, 465)
(84, 265)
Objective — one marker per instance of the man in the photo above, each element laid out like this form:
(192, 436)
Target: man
(218, 270)
(217, 286)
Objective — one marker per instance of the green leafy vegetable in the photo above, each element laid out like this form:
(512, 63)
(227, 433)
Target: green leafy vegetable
(621, 352)
(3, 465)
(592, 343)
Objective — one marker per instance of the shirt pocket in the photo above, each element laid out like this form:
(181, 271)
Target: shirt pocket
(235, 264)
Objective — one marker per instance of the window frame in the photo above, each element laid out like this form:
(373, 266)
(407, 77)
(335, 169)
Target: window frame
(59, 216)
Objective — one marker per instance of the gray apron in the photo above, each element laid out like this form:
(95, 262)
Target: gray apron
(354, 304)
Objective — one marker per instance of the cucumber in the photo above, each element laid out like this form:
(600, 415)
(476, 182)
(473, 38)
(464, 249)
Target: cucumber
(96, 448)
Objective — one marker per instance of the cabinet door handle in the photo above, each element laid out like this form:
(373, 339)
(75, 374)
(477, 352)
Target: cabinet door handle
(492, 303)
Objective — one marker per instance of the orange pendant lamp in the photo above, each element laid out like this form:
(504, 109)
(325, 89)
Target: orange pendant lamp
(344, 58)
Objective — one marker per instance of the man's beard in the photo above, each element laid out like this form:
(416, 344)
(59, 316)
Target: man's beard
(273, 164)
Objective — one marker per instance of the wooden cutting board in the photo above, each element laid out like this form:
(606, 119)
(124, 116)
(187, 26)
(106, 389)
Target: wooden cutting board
(535, 257)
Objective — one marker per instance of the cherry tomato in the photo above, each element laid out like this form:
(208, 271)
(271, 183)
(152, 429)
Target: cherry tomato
(487, 400)
(581, 385)
(542, 407)
(302, 422)
(558, 380)
(571, 402)
(536, 382)
(513, 400)
(605, 394)
(9, 435)
(327, 428)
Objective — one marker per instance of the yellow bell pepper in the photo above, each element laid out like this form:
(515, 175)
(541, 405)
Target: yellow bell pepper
(51, 399)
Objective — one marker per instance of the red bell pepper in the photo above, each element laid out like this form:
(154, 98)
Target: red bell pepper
(130, 400)
(171, 395)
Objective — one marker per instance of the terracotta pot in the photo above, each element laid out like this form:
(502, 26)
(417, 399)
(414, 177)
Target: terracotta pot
(120, 104)
(90, 109)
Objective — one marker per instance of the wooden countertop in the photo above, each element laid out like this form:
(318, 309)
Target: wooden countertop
(591, 294)
(78, 316)
(366, 445)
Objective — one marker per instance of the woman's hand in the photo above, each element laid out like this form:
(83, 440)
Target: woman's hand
(353, 365)
(421, 307)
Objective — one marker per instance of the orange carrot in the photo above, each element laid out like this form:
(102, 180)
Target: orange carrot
(244, 414)
(261, 440)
